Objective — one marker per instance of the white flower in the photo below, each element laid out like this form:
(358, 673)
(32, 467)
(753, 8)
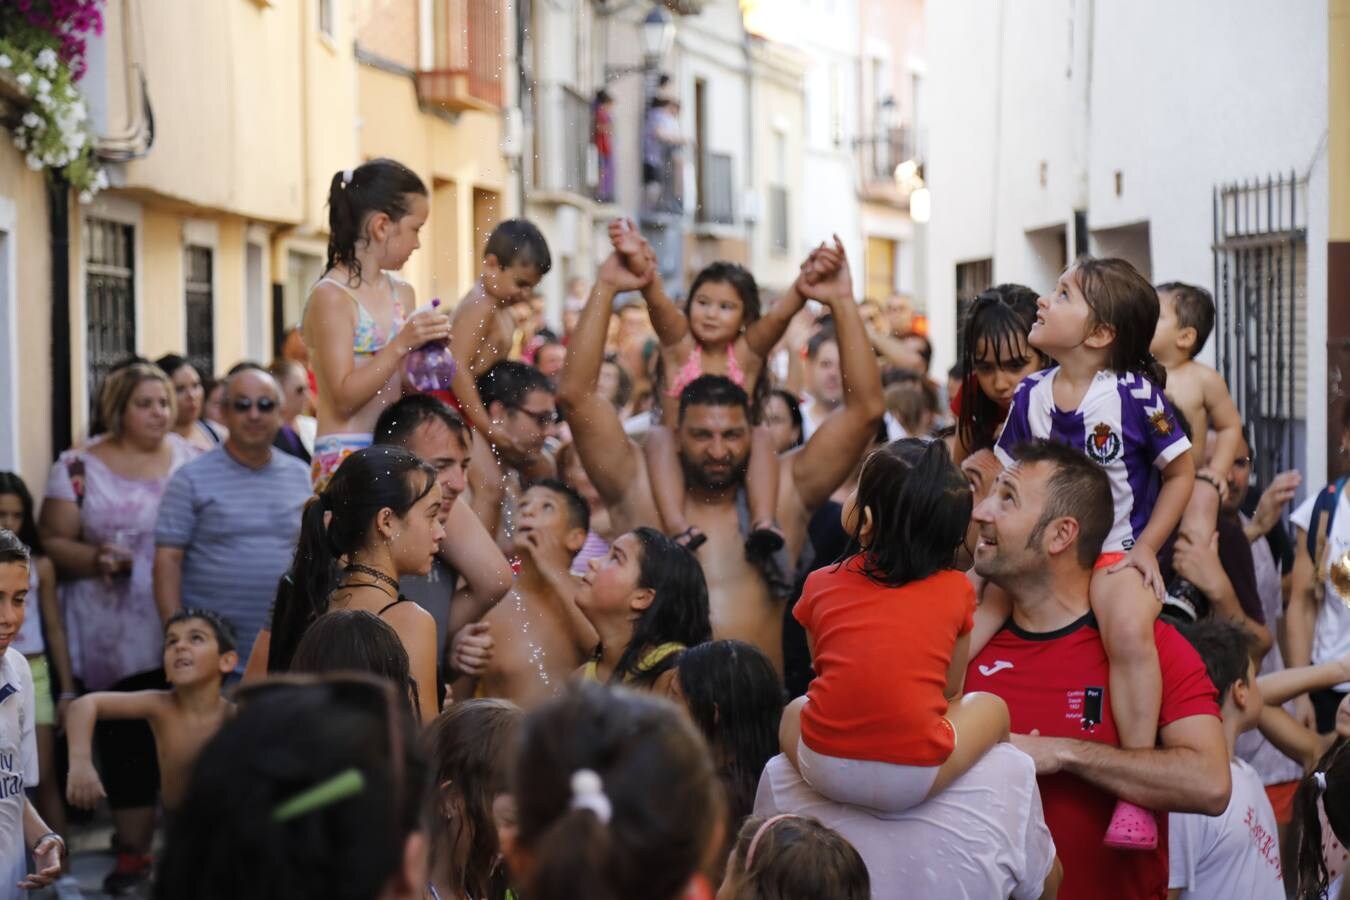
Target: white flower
(33, 162)
(43, 86)
(5, 61)
(86, 197)
(31, 119)
(46, 60)
(24, 79)
(21, 142)
(76, 141)
(101, 179)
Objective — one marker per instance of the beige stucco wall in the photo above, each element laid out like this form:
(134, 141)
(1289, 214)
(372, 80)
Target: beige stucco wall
(31, 258)
(452, 158)
(778, 108)
(225, 81)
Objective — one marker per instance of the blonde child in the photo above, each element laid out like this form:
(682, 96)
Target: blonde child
(721, 332)
(1105, 399)
(356, 323)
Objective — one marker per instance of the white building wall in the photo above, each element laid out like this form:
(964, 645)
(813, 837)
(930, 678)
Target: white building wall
(1177, 98)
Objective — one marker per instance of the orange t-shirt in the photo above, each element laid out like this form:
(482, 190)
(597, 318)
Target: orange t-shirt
(881, 656)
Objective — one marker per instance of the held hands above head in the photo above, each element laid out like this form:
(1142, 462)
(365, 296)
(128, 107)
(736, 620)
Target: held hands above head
(825, 275)
(615, 274)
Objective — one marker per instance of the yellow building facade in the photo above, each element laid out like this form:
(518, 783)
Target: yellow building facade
(209, 238)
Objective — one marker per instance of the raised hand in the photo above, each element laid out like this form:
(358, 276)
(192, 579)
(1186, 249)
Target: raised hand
(628, 243)
(616, 274)
(825, 274)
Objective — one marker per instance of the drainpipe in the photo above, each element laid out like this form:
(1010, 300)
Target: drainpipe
(58, 214)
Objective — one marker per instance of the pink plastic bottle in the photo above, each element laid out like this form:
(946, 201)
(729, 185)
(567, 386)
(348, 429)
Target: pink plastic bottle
(430, 367)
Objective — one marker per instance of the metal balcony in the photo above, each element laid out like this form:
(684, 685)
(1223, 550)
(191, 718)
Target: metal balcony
(470, 56)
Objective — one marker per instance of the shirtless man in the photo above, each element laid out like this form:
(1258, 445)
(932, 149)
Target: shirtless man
(540, 637)
(714, 445)
(515, 260)
(198, 653)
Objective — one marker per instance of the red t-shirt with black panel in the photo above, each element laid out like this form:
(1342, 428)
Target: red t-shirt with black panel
(1057, 684)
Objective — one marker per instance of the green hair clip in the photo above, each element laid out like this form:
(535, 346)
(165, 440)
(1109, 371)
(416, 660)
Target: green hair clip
(347, 783)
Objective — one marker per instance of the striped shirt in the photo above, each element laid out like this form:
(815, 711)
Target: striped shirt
(1124, 424)
(237, 527)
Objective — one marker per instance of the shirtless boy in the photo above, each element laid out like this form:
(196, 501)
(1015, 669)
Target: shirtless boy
(199, 652)
(515, 260)
(1185, 319)
(540, 636)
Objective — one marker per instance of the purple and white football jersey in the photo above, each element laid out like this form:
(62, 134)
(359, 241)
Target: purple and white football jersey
(1124, 424)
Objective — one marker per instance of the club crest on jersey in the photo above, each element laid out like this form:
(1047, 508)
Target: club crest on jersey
(1103, 444)
(1162, 423)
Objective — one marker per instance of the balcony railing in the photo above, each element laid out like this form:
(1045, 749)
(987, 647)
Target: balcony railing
(469, 57)
(879, 154)
(716, 184)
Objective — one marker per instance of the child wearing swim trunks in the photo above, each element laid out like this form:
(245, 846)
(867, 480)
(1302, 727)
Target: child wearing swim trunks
(355, 322)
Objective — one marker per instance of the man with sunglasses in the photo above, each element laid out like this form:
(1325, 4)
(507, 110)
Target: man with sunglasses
(229, 519)
(519, 400)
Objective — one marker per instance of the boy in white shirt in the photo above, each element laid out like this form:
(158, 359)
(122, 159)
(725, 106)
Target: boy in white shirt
(21, 828)
(1235, 855)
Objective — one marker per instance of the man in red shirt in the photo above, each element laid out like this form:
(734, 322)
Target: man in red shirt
(1041, 530)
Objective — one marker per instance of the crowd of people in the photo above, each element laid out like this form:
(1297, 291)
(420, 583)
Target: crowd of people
(716, 595)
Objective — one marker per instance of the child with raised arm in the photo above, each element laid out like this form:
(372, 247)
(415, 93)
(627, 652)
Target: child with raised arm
(721, 332)
(515, 260)
(1105, 399)
(356, 322)
(199, 652)
(1185, 319)
(885, 724)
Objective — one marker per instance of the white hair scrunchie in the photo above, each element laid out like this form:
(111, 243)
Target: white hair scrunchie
(347, 175)
(1320, 779)
(589, 793)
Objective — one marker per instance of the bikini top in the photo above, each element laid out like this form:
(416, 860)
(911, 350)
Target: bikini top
(693, 368)
(650, 660)
(367, 340)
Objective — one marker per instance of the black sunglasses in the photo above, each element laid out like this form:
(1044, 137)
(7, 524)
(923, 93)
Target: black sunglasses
(244, 404)
(542, 419)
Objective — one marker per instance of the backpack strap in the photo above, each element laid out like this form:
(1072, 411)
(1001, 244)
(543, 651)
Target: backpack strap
(1319, 528)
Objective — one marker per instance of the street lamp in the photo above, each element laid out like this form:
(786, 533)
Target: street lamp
(657, 36)
(658, 33)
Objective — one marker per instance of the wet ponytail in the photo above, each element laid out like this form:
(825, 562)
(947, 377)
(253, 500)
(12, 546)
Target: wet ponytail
(379, 186)
(1328, 789)
(1125, 300)
(336, 524)
(644, 825)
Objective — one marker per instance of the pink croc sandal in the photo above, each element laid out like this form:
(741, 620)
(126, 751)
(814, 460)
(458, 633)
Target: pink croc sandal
(1132, 828)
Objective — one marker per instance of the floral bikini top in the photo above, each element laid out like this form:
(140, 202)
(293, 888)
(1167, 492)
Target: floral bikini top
(367, 340)
(693, 368)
